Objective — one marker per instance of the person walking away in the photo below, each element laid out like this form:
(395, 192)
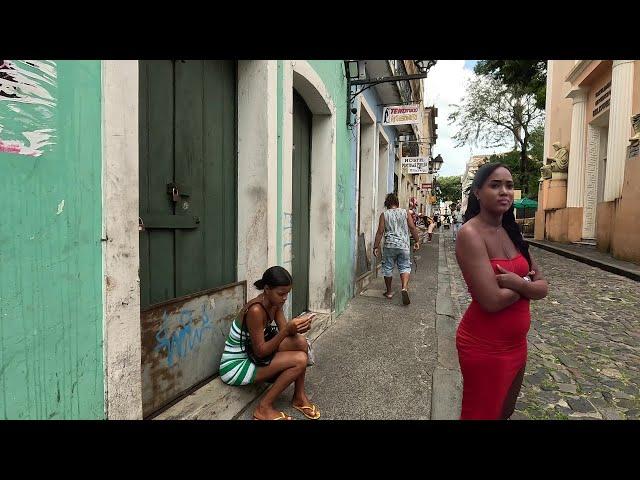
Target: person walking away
(432, 225)
(502, 278)
(395, 224)
(457, 222)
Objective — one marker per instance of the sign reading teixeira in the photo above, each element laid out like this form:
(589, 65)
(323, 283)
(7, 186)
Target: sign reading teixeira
(401, 115)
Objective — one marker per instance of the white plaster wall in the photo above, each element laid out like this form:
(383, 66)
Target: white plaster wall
(287, 173)
(367, 171)
(121, 287)
(301, 76)
(257, 169)
(383, 173)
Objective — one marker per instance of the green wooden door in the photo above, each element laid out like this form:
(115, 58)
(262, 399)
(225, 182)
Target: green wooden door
(188, 172)
(301, 173)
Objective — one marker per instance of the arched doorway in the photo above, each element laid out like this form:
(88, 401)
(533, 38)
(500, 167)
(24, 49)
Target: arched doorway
(300, 202)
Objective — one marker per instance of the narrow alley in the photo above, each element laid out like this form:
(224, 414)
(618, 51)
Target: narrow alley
(377, 361)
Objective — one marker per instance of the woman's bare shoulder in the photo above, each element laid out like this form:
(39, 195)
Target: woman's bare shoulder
(254, 307)
(470, 240)
(469, 229)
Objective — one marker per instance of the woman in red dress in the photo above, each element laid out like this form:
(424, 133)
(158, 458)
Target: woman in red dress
(502, 278)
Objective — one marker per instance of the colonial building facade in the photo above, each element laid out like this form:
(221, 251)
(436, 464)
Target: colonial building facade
(596, 198)
(144, 199)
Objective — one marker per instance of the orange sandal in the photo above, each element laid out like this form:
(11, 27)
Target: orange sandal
(314, 412)
(282, 416)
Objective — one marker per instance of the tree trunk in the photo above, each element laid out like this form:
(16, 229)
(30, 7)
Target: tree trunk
(524, 168)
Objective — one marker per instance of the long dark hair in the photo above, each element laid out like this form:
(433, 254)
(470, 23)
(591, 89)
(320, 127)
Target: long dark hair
(275, 276)
(508, 219)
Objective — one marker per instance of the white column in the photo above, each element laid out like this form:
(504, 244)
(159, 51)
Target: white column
(577, 153)
(619, 127)
(591, 184)
(121, 255)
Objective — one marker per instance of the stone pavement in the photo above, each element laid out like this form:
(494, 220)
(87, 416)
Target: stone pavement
(584, 342)
(591, 256)
(377, 361)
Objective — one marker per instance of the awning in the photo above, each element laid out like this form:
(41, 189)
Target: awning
(525, 203)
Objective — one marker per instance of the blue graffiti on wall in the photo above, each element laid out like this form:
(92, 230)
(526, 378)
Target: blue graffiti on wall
(185, 337)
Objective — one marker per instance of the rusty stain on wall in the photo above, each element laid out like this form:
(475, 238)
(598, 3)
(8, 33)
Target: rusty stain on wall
(183, 340)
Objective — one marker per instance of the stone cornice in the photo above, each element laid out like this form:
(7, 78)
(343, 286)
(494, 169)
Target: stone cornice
(578, 94)
(577, 69)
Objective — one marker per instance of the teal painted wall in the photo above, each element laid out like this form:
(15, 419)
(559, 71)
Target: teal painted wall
(51, 363)
(332, 74)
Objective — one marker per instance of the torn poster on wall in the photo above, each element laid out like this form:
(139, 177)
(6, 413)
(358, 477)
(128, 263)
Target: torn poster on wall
(27, 106)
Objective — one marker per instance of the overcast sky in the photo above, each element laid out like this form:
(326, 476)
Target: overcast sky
(445, 85)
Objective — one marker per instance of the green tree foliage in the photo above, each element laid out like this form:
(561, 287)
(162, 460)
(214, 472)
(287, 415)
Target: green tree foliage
(450, 188)
(512, 160)
(536, 143)
(526, 77)
(494, 115)
(534, 163)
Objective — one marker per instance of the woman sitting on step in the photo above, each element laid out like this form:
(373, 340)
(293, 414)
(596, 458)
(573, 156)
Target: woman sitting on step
(256, 351)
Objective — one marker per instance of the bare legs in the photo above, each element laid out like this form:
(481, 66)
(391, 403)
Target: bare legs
(512, 395)
(387, 282)
(404, 279)
(289, 364)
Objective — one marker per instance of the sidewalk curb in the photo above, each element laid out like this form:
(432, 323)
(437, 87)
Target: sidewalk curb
(446, 394)
(609, 267)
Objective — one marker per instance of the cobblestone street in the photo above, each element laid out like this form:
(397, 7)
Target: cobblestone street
(584, 342)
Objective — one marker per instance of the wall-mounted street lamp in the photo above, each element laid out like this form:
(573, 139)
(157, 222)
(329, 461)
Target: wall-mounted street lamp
(355, 70)
(355, 73)
(436, 163)
(424, 65)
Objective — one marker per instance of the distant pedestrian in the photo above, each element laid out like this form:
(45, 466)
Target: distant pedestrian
(394, 224)
(502, 277)
(432, 225)
(457, 222)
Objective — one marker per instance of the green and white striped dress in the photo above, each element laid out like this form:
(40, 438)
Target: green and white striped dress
(235, 366)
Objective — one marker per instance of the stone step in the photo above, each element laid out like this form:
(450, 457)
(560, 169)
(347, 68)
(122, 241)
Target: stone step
(217, 401)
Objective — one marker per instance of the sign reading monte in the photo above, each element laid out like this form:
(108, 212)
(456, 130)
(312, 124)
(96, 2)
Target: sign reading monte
(426, 185)
(414, 161)
(415, 165)
(602, 99)
(401, 115)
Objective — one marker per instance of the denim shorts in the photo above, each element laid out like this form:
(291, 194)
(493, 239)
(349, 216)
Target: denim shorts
(399, 256)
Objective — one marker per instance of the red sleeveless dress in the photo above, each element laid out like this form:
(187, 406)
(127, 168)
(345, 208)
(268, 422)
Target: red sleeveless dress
(492, 349)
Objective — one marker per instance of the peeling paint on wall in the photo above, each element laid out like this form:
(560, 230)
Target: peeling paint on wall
(51, 343)
(27, 106)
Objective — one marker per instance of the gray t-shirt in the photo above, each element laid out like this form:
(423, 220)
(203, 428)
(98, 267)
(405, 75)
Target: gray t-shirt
(396, 230)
